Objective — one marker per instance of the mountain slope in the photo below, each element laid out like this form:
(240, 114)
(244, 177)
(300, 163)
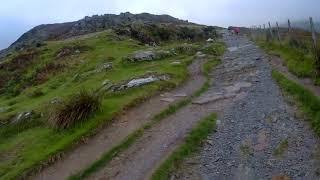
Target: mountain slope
(36, 79)
(96, 23)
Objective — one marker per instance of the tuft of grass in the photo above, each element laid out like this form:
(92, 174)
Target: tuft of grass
(246, 150)
(215, 49)
(77, 108)
(36, 93)
(307, 101)
(281, 148)
(208, 66)
(192, 143)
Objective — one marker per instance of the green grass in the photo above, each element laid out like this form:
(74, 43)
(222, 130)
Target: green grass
(246, 150)
(192, 143)
(209, 65)
(281, 148)
(298, 61)
(28, 146)
(306, 100)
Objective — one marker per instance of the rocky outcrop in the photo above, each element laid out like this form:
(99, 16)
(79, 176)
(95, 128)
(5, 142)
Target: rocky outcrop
(135, 82)
(148, 55)
(84, 26)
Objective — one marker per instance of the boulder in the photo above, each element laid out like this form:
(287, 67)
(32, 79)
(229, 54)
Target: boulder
(137, 82)
(141, 81)
(103, 67)
(210, 40)
(175, 63)
(3, 109)
(24, 116)
(56, 100)
(106, 85)
(144, 56)
(200, 54)
(148, 55)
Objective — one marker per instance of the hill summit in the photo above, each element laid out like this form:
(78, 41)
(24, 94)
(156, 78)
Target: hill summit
(86, 25)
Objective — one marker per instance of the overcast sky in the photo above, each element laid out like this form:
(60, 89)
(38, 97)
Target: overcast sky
(18, 16)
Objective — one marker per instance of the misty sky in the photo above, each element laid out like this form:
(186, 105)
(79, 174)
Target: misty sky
(18, 16)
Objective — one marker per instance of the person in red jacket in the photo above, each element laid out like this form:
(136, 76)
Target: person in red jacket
(236, 30)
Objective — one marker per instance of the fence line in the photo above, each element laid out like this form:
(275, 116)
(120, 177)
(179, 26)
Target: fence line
(303, 34)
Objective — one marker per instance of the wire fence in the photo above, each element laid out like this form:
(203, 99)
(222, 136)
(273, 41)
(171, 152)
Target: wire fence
(304, 35)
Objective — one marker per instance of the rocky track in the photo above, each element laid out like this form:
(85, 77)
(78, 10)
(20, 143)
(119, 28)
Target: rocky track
(258, 136)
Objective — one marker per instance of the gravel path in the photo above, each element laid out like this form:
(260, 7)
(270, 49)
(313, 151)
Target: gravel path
(259, 136)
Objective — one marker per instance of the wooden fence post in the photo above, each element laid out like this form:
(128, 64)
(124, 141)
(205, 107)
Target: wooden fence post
(278, 31)
(316, 55)
(289, 27)
(314, 37)
(270, 30)
(264, 31)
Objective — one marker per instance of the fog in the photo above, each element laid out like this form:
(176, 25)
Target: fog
(18, 16)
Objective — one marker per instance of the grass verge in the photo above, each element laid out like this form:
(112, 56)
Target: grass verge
(281, 148)
(192, 143)
(299, 62)
(306, 100)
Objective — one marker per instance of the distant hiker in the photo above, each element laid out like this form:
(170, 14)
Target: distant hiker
(236, 30)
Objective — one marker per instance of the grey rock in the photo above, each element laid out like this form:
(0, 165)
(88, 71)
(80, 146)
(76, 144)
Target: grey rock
(56, 100)
(144, 56)
(169, 100)
(180, 95)
(137, 82)
(141, 81)
(104, 67)
(21, 117)
(3, 109)
(176, 63)
(210, 40)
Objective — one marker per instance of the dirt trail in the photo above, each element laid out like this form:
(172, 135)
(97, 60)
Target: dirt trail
(85, 154)
(259, 136)
(142, 158)
(277, 63)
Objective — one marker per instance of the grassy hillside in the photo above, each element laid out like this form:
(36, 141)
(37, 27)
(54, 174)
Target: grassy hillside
(37, 78)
